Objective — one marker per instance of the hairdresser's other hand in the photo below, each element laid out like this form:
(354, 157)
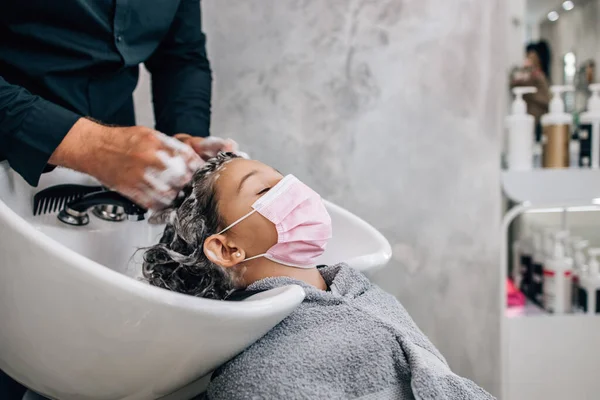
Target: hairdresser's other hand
(209, 147)
(130, 160)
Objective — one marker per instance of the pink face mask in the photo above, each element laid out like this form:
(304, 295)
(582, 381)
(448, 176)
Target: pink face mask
(302, 221)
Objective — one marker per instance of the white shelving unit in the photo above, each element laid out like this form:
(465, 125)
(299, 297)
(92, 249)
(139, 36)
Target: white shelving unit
(546, 356)
(552, 186)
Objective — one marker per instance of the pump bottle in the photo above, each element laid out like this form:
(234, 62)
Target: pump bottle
(521, 134)
(558, 271)
(589, 294)
(557, 131)
(589, 129)
(580, 268)
(534, 276)
(522, 253)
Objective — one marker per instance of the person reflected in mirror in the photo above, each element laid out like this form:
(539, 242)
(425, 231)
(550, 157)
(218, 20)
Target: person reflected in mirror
(535, 72)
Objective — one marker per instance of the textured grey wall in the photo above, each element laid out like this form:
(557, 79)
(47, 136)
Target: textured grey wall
(392, 109)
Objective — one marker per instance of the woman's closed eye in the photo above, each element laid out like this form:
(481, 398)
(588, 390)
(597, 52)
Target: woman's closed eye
(265, 190)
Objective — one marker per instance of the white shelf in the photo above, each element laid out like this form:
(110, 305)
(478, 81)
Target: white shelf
(555, 357)
(552, 186)
(546, 356)
(527, 310)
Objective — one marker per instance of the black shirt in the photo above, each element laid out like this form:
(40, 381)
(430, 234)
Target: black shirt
(60, 60)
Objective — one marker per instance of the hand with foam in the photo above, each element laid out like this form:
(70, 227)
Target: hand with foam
(209, 147)
(144, 165)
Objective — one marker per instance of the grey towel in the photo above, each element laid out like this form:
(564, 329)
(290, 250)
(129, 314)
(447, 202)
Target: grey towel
(354, 341)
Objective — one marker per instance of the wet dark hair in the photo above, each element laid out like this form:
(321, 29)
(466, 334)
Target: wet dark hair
(178, 262)
(542, 49)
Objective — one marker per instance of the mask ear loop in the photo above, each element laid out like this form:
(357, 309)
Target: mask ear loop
(254, 257)
(236, 222)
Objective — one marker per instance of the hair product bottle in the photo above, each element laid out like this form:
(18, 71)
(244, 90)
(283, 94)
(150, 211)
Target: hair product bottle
(522, 253)
(574, 153)
(580, 268)
(589, 129)
(558, 272)
(589, 299)
(535, 273)
(521, 135)
(557, 131)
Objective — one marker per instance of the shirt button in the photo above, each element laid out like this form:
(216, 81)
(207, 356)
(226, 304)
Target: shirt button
(119, 38)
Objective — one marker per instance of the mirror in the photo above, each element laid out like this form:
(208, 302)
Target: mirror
(571, 31)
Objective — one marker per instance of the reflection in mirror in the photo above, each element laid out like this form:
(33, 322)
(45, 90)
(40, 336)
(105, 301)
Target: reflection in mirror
(569, 69)
(554, 42)
(572, 31)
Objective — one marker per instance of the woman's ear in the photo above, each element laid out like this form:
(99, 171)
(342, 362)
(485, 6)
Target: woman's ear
(223, 253)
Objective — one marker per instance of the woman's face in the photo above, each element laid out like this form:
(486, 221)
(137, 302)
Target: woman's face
(238, 185)
(532, 60)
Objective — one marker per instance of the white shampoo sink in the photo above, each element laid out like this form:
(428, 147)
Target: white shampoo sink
(76, 323)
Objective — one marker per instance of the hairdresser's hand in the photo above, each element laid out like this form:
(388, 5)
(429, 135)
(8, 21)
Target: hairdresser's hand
(130, 160)
(211, 146)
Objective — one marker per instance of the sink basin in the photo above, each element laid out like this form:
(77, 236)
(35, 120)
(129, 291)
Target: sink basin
(77, 322)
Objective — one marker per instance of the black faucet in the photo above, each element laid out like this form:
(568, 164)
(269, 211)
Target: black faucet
(107, 205)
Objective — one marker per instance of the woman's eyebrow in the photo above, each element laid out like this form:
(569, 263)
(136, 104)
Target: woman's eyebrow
(245, 178)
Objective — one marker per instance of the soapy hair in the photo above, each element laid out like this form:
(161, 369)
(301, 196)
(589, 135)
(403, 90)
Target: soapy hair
(178, 262)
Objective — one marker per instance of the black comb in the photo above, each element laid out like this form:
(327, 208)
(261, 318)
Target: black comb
(54, 198)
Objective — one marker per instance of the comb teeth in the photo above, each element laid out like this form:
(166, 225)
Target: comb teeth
(55, 198)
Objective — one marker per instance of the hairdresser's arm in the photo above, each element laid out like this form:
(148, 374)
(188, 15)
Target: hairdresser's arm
(31, 129)
(181, 76)
(122, 158)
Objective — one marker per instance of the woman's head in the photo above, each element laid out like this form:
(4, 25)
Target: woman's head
(192, 257)
(538, 56)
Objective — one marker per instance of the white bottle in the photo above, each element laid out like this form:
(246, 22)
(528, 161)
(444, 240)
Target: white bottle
(522, 252)
(590, 284)
(536, 271)
(590, 122)
(574, 153)
(580, 268)
(537, 155)
(517, 268)
(558, 273)
(521, 134)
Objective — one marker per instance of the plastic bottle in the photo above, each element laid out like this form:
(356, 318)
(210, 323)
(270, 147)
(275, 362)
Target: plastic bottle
(522, 252)
(589, 295)
(589, 128)
(558, 273)
(517, 269)
(521, 134)
(534, 276)
(557, 131)
(537, 155)
(574, 153)
(580, 268)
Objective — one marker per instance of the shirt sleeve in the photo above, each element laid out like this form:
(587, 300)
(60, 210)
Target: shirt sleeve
(181, 76)
(31, 128)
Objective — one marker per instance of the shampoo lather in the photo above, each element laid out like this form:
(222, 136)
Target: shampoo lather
(557, 131)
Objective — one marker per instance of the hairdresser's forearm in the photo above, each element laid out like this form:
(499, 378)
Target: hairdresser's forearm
(82, 142)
